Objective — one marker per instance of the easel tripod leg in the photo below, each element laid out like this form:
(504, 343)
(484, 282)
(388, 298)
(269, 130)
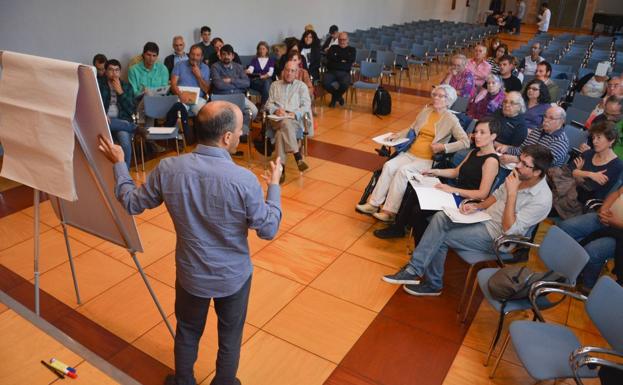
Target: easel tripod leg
(36, 242)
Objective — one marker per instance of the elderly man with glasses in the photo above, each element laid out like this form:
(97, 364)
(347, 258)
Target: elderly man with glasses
(432, 130)
(550, 135)
(520, 203)
(459, 77)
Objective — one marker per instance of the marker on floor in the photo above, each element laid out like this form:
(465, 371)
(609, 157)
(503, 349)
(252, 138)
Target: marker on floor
(53, 370)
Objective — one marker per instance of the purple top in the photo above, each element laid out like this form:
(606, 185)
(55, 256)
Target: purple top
(463, 83)
(257, 68)
(485, 106)
(534, 115)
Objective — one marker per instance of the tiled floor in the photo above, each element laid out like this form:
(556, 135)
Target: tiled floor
(318, 311)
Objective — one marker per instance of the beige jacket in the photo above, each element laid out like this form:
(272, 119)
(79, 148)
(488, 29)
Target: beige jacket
(446, 128)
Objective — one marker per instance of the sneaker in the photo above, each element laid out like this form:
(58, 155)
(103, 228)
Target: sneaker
(402, 277)
(366, 208)
(384, 217)
(302, 165)
(341, 100)
(332, 104)
(169, 379)
(389, 232)
(422, 290)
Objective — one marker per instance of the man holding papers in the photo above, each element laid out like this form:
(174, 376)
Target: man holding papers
(474, 178)
(191, 73)
(521, 202)
(434, 128)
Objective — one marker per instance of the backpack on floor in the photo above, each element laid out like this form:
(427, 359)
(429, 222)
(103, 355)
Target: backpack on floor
(514, 282)
(382, 102)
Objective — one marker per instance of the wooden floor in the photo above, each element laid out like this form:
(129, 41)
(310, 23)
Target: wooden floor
(319, 312)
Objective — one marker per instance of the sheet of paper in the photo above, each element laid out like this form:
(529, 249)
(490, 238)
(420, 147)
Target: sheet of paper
(160, 130)
(429, 197)
(602, 68)
(457, 217)
(276, 118)
(37, 108)
(384, 140)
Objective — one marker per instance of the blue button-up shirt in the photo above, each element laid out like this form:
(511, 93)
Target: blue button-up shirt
(213, 202)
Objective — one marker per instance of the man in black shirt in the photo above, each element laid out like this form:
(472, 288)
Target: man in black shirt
(511, 82)
(340, 59)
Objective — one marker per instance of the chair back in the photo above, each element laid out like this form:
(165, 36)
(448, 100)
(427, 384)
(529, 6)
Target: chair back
(576, 136)
(386, 58)
(157, 107)
(362, 55)
(237, 99)
(605, 308)
(568, 263)
(371, 69)
(576, 114)
(245, 60)
(460, 105)
(585, 103)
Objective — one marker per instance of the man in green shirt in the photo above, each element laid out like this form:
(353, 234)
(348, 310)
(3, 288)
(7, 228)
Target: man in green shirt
(149, 73)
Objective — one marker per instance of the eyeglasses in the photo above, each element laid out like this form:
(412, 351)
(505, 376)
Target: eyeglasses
(551, 118)
(510, 102)
(524, 164)
(438, 95)
(534, 88)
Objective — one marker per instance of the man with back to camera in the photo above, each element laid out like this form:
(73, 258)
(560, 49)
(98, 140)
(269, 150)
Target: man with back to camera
(213, 203)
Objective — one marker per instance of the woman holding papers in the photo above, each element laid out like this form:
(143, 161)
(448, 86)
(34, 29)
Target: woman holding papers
(474, 179)
(434, 127)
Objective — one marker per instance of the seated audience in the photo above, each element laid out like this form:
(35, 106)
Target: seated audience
(601, 234)
(191, 73)
(543, 73)
(479, 67)
(288, 98)
(118, 99)
(528, 63)
(434, 127)
(536, 96)
(459, 77)
(291, 46)
(550, 135)
(521, 202)
(340, 59)
(99, 62)
(595, 172)
(261, 70)
(207, 46)
(511, 82)
(178, 54)
(494, 61)
(332, 38)
(493, 46)
(302, 74)
(613, 112)
(309, 47)
(487, 100)
(474, 178)
(229, 78)
(614, 88)
(148, 73)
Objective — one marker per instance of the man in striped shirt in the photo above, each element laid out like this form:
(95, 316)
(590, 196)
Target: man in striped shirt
(550, 135)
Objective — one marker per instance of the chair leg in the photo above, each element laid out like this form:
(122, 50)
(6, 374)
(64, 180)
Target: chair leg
(496, 338)
(134, 155)
(497, 362)
(467, 279)
(177, 146)
(143, 154)
(471, 299)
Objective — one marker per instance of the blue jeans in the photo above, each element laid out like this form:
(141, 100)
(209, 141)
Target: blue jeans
(122, 132)
(429, 256)
(599, 250)
(263, 87)
(191, 313)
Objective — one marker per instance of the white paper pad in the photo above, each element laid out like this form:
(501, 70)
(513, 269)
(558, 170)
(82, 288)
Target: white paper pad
(429, 197)
(384, 140)
(276, 118)
(161, 130)
(457, 217)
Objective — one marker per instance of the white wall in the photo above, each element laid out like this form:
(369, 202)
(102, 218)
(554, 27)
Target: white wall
(77, 29)
(610, 6)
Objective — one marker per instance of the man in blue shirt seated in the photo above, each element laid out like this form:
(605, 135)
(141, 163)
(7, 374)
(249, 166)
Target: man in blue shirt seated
(228, 77)
(213, 203)
(523, 201)
(191, 73)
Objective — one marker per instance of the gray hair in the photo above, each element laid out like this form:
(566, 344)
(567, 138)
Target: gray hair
(450, 93)
(461, 57)
(521, 102)
(497, 79)
(178, 37)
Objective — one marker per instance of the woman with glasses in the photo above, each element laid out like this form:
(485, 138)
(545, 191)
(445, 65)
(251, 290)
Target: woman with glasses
(431, 133)
(536, 96)
(488, 100)
(459, 77)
